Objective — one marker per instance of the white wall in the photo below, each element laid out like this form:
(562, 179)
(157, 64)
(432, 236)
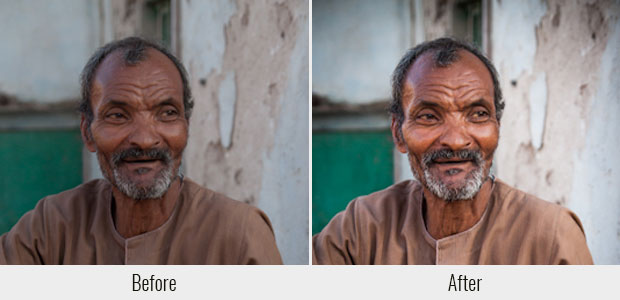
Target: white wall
(559, 66)
(44, 47)
(248, 66)
(356, 45)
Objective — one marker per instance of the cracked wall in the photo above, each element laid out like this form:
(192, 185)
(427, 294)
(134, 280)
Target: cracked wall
(558, 64)
(248, 66)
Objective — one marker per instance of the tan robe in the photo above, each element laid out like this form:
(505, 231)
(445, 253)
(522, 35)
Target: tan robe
(76, 227)
(387, 227)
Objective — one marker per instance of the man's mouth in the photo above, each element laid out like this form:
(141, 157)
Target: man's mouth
(142, 165)
(452, 167)
(445, 159)
(138, 158)
(133, 160)
(451, 161)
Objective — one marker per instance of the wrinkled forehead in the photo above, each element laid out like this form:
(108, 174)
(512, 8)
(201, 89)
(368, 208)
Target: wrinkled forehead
(114, 68)
(467, 67)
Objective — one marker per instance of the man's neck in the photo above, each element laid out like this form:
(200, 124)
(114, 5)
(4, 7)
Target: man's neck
(134, 217)
(444, 218)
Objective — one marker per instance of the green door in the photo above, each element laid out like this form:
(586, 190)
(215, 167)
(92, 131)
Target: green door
(345, 165)
(36, 163)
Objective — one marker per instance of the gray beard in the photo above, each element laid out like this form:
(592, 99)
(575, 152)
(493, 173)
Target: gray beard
(473, 181)
(157, 189)
(162, 183)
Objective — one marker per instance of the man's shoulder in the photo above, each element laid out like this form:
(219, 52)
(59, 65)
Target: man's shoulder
(554, 233)
(72, 206)
(517, 200)
(533, 210)
(226, 219)
(397, 192)
(391, 200)
(83, 195)
(202, 199)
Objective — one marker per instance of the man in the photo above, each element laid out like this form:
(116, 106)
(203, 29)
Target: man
(135, 107)
(446, 113)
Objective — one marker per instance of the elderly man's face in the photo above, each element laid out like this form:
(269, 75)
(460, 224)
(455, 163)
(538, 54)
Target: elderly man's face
(449, 130)
(139, 128)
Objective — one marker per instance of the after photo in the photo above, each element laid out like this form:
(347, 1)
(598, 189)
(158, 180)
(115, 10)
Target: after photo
(465, 132)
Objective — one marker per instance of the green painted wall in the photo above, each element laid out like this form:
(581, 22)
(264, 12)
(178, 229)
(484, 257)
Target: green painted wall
(346, 165)
(36, 164)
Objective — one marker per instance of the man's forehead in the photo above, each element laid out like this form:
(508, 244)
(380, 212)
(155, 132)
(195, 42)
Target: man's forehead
(114, 65)
(466, 65)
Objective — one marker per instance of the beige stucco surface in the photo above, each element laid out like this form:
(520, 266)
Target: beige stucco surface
(558, 63)
(249, 128)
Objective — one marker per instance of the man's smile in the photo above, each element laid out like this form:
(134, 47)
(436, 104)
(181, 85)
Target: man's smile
(450, 164)
(151, 164)
(141, 165)
(141, 160)
(452, 169)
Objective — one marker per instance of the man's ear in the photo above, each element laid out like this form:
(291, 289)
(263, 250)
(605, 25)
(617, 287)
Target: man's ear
(87, 137)
(398, 136)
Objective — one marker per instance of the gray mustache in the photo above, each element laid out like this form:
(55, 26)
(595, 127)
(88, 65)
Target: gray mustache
(473, 155)
(153, 153)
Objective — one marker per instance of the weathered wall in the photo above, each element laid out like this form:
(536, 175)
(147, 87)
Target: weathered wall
(356, 45)
(559, 66)
(44, 47)
(248, 65)
(120, 19)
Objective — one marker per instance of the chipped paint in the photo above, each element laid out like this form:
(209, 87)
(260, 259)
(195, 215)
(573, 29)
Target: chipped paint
(596, 177)
(209, 25)
(285, 167)
(227, 97)
(514, 24)
(564, 153)
(538, 109)
(250, 101)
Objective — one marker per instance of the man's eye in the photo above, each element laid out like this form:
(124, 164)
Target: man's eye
(115, 117)
(480, 115)
(169, 114)
(426, 118)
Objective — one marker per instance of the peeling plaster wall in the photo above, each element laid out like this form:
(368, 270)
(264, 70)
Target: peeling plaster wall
(44, 47)
(123, 18)
(559, 70)
(437, 18)
(248, 69)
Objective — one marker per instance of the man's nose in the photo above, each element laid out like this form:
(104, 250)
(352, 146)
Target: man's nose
(144, 134)
(455, 136)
